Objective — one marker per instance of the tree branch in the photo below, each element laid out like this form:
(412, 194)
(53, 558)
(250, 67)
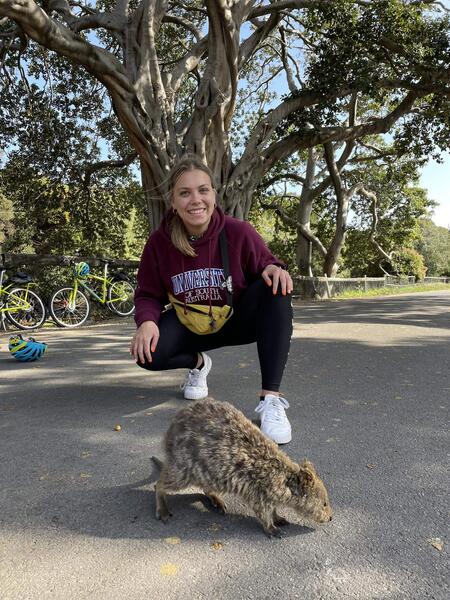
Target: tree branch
(276, 7)
(253, 42)
(89, 170)
(334, 172)
(285, 60)
(294, 142)
(280, 212)
(184, 23)
(282, 176)
(187, 64)
(373, 230)
(304, 230)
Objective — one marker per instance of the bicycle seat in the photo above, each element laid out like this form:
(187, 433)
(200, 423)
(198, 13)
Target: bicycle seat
(120, 276)
(105, 261)
(20, 277)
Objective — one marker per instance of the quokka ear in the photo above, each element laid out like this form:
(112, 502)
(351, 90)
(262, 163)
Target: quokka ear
(301, 482)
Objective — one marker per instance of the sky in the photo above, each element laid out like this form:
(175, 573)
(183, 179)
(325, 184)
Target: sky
(436, 179)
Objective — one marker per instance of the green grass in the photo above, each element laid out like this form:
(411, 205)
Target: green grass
(394, 290)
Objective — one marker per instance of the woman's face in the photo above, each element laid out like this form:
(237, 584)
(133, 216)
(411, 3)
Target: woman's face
(194, 200)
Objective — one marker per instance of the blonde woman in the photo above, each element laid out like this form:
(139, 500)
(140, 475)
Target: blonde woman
(183, 261)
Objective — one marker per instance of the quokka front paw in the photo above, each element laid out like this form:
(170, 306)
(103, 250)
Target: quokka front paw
(280, 521)
(163, 515)
(217, 502)
(274, 532)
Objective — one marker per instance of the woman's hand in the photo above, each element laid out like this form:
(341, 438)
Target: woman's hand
(275, 276)
(144, 340)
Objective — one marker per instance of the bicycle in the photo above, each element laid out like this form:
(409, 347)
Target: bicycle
(70, 307)
(21, 306)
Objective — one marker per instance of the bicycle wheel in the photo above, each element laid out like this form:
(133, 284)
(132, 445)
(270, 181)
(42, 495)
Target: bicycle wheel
(66, 313)
(121, 298)
(24, 309)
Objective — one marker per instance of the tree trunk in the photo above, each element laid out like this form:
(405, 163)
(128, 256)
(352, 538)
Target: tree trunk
(154, 198)
(238, 193)
(304, 256)
(304, 243)
(331, 262)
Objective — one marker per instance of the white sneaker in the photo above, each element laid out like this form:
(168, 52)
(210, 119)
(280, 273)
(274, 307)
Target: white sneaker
(196, 387)
(274, 422)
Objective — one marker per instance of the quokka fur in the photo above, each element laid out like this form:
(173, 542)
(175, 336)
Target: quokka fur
(212, 445)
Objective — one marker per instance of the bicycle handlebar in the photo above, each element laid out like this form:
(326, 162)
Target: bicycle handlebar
(73, 261)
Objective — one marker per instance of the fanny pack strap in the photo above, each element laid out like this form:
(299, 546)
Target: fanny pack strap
(228, 283)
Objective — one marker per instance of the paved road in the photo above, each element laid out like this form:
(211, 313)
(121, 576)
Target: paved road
(369, 386)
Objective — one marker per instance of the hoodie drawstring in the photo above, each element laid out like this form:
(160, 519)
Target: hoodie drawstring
(209, 283)
(185, 309)
(184, 284)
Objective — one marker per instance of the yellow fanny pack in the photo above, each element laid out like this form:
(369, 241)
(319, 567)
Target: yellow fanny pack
(201, 319)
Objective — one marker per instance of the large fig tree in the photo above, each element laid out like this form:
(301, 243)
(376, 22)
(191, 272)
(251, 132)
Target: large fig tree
(177, 75)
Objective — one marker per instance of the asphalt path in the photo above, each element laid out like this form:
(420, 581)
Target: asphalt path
(369, 387)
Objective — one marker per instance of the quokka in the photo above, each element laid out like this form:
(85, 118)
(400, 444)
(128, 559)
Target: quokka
(212, 445)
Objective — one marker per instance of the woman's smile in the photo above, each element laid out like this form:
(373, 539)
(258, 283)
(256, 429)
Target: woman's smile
(194, 199)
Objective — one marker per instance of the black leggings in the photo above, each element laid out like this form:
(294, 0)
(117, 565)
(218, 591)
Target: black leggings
(259, 316)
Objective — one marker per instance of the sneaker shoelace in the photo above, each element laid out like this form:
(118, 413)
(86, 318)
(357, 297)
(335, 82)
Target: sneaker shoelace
(191, 378)
(272, 408)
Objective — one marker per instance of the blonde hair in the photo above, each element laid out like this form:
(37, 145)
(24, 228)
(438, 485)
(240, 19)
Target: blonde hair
(178, 232)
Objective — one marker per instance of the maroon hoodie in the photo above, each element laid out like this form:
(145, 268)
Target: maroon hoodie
(198, 280)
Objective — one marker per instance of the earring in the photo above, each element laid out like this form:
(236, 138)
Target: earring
(174, 211)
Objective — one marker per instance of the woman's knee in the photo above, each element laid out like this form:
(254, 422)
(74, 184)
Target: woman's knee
(260, 287)
(277, 298)
(159, 361)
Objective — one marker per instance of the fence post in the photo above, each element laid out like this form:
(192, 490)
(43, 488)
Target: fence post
(328, 286)
(365, 283)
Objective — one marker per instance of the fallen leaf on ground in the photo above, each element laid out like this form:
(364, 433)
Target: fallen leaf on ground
(217, 545)
(370, 466)
(437, 543)
(168, 569)
(85, 475)
(172, 540)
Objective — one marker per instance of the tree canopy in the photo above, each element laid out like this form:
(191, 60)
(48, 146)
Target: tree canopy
(150, 79)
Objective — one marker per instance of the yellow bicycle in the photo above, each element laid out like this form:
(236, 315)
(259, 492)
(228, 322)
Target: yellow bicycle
(70, 307)
(21, 306)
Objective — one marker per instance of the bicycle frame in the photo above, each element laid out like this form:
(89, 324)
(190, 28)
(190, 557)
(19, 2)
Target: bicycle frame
(80, 282)
(22, 304)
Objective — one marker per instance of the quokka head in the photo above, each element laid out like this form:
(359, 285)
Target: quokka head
(309, 494)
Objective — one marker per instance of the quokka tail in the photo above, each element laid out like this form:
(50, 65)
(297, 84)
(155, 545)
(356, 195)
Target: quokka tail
(158, 462)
